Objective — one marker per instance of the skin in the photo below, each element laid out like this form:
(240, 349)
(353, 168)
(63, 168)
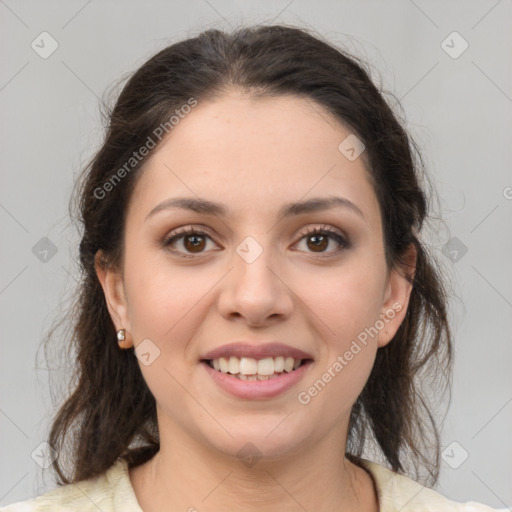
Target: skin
(253, 156)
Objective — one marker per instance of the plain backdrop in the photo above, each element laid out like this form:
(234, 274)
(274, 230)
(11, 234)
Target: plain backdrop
(448, 62)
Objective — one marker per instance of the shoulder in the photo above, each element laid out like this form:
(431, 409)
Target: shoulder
(108, 492)
(399, 493)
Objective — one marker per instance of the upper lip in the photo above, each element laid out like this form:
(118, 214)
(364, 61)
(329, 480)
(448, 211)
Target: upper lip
(256, 351)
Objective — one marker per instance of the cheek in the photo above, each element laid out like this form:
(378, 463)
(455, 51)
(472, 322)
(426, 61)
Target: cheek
(343, 380)
(346, 310)
(165, 306)
(346, 318)
(345, 301)
(163, 299)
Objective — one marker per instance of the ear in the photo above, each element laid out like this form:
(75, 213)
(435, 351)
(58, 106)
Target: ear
(396, 298)
(113, 287)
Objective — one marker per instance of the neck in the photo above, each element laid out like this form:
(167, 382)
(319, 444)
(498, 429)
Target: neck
(186, 476)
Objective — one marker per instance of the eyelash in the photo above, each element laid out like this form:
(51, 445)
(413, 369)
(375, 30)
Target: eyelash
(324, 230)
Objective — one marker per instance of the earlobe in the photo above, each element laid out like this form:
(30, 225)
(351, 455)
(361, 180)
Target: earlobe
(112, 283)
(397, 297)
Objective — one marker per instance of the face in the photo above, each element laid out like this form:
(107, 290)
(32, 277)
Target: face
(255, 271)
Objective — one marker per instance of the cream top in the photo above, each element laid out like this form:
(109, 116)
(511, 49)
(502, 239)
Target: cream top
(112, 491)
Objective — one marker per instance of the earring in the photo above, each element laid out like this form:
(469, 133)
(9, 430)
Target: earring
(121, 335)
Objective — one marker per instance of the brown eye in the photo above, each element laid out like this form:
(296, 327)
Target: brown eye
(191, 241)
(194, 243)
(318, 240)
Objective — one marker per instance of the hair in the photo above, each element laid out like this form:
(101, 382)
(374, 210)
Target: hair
(111, 413)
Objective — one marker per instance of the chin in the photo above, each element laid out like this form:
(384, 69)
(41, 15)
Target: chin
(256, 441)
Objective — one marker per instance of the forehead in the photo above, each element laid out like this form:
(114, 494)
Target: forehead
(254, 154)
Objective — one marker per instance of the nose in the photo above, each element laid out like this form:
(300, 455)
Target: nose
(255, 289)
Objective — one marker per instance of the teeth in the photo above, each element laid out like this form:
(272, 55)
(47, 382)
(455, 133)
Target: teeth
(234, 365)
(248, 368)
(224, 365)
(266, 366)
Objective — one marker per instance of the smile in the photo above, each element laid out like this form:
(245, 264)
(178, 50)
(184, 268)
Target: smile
(248, 368)
(253, 379)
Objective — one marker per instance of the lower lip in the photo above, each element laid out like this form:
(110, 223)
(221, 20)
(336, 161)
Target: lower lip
(257, 389)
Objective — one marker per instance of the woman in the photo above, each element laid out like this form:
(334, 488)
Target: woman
(256, 305)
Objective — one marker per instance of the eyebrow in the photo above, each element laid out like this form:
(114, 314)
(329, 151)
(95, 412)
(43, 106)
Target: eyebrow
(212, 208)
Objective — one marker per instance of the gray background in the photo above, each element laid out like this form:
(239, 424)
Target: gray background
(458, 110)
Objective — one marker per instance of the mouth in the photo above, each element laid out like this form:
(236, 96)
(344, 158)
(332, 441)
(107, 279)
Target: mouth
(257, 370)
(251, 369)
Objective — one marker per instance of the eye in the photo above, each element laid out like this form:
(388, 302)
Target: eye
(319, 238)
(192, 240)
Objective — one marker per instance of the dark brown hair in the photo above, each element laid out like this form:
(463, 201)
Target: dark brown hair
(111, 413)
